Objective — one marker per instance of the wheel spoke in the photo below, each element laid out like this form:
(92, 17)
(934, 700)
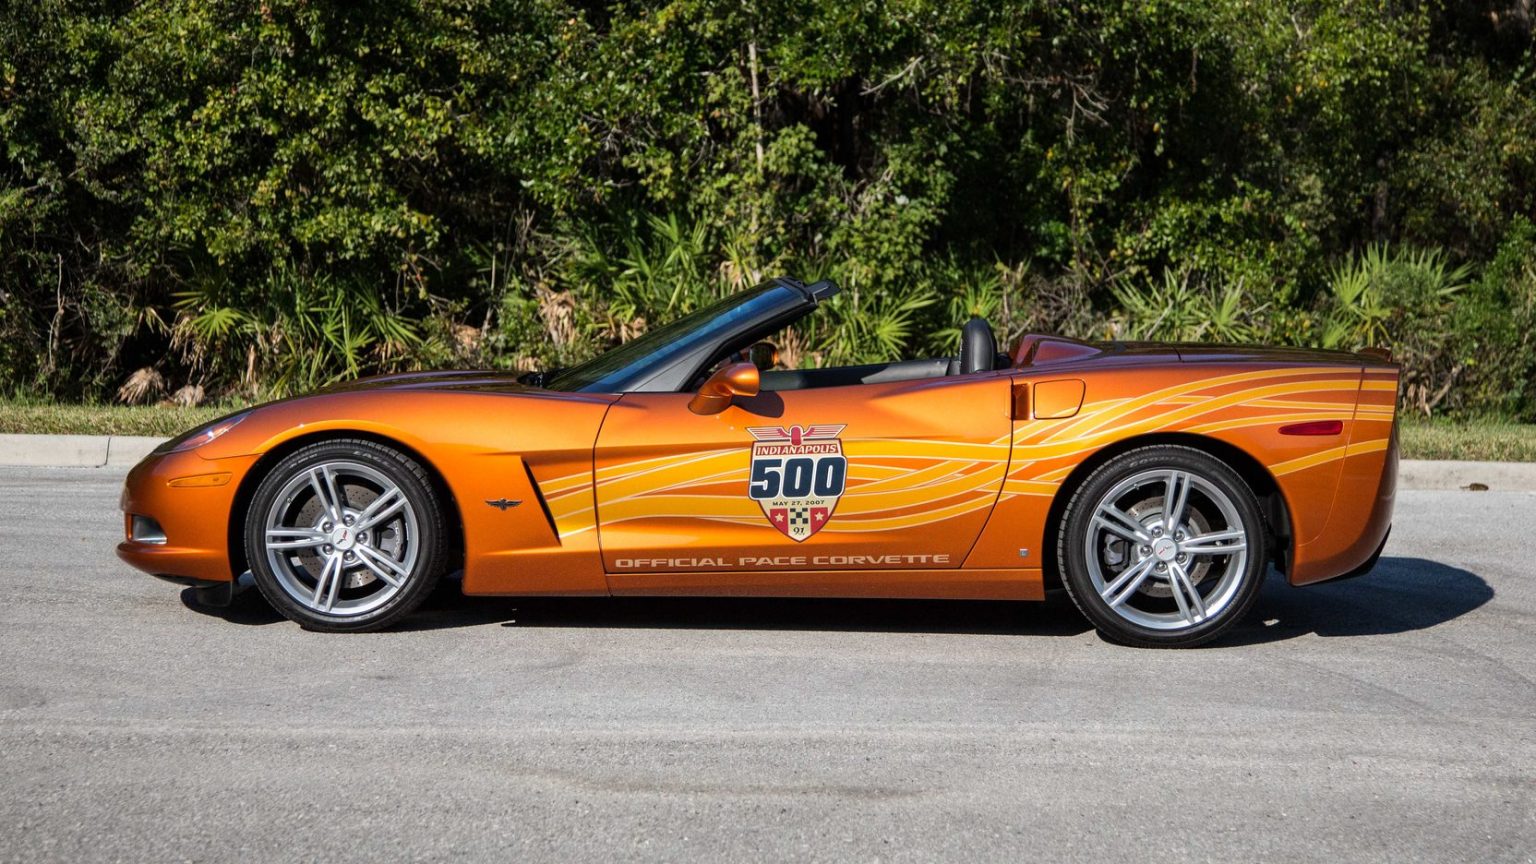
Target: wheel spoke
(381, 565)
(1174, 499)
(1191, 604)
(380, 508)
(1128, 582)
(324, 483)
(294, 538)
(1113, 519)
(330, 576)
(330, 598)
(1215, 543)
(372, 556)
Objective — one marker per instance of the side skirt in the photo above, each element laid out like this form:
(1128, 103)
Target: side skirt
(955, 584)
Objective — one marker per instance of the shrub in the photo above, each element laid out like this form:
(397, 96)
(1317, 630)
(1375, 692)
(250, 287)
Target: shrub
(1403, 299)
(260, 198)
(1494, 329)
(1187, 307)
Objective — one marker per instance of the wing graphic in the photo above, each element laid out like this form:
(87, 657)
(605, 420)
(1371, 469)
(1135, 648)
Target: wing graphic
(769, 433)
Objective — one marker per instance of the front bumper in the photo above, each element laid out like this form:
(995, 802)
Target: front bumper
(191, 499)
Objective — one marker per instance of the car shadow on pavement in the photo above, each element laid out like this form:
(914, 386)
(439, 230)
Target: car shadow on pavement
(1055, 617)
(248, 607)
(1399, 596)
(447, 608)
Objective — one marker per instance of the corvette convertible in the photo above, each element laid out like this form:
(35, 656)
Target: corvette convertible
(1156, 483)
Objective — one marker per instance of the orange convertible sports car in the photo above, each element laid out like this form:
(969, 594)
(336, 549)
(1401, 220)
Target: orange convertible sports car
(1157, 483)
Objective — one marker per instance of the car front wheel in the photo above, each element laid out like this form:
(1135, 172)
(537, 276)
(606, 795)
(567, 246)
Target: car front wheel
(346, 535)
(1163, 546)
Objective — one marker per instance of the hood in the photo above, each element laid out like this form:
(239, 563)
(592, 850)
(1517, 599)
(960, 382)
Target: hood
(409, 407)
(473, 380)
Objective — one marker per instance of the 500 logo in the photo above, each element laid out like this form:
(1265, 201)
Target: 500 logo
(798, 475)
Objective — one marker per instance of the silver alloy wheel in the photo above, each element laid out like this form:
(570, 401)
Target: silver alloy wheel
(1166, 535)
(341, 538)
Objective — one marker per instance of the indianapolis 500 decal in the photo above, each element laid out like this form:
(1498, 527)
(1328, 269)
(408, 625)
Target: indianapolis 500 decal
(798, 474)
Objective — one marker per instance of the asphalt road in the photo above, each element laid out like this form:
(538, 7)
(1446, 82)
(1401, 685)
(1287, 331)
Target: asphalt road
(1390, 718)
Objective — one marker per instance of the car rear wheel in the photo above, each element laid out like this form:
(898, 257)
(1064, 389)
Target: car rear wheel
(1163, 546)
(346, 535)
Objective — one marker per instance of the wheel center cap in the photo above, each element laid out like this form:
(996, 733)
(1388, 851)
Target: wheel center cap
(343, 538)
(1165, 549)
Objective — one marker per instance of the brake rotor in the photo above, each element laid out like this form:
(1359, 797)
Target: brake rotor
(1120, 553)
(354, 574)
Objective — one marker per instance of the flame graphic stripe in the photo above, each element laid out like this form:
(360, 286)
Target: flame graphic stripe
(904, 483)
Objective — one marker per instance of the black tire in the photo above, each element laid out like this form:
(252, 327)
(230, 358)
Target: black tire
(1168, 594)
(292, 507)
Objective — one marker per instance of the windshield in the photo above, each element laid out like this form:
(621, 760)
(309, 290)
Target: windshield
(612, 371)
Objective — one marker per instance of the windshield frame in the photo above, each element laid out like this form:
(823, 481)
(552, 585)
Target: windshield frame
(670, 357)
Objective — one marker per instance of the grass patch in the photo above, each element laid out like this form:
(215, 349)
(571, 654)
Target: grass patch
(1489, 442)
(42, 418)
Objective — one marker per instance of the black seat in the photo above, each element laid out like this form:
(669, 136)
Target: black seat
(978, 348)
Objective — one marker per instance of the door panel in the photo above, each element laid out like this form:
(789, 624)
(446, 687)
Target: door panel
(884, 476)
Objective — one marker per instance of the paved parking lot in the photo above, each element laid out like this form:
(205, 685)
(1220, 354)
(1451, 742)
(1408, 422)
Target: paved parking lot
(1389, 718)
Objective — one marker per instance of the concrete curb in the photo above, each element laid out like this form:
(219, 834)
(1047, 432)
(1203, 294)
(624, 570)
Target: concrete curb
(114, 451)
(1424, 475)
(75, 451)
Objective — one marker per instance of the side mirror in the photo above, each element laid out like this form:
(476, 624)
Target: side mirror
(715, 395)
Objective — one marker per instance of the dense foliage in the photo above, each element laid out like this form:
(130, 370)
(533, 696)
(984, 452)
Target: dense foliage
(252, 198)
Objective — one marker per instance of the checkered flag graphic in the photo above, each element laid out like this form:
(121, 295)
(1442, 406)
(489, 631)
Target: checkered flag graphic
(799, 517)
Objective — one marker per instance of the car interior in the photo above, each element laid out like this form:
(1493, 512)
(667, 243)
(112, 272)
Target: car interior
(978, 353)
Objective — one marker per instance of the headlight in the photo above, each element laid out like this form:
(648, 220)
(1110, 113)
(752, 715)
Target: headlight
(202, 434)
